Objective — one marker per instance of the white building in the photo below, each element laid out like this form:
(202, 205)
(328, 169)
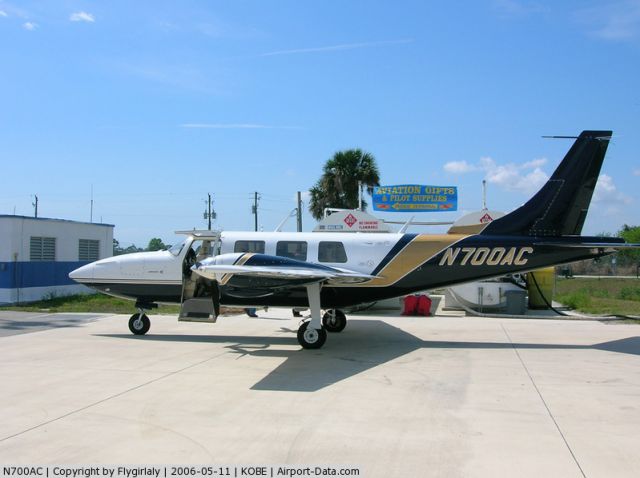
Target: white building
(37, 254)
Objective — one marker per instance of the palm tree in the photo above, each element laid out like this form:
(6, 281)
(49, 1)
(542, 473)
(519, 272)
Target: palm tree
(338, 185)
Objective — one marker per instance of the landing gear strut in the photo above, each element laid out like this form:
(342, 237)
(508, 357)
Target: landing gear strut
(311, 335)
(334, 320)
(139, 323)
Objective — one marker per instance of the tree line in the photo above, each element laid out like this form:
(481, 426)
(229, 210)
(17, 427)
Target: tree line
(155, 244)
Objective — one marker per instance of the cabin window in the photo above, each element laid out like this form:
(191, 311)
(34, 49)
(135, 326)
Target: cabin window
(42, 248)
(249, 246)
(88, 250)
(292, 249)
(330, 251)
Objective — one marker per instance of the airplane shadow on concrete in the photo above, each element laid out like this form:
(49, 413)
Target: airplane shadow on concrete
(365, 344)
(23, 324)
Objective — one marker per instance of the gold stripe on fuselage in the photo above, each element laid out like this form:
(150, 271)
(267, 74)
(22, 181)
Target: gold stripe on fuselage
(422, 248)
(240, 262)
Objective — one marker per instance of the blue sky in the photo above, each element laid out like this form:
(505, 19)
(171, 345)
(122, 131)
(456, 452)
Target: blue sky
(155, 104)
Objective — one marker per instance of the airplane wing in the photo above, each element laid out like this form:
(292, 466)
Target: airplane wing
(274, 267)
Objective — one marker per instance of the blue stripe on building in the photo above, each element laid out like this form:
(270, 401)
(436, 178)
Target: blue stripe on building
(20, 275)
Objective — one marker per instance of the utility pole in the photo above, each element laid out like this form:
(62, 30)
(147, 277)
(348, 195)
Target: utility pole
(254, 209)
(484, 194)
(299, 212)
(35, 204)
(91, 214)
(209, 213)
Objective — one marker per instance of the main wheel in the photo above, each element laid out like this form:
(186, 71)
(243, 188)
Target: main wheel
(311, 338)
(334, 320)
(139, 324)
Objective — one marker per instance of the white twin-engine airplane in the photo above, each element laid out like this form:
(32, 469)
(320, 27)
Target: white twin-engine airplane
(332, 271)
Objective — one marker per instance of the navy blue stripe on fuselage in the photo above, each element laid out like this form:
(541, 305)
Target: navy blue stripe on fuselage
(395, 250)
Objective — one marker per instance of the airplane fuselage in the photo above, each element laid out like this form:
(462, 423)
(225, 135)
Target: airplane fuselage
(402, 264)
(335, 270)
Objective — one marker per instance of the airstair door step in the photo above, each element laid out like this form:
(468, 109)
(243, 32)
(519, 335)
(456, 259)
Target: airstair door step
(198, 309)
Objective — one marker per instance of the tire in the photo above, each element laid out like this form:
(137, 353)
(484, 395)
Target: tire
(311, 338)
(139, 324)
(334, 320)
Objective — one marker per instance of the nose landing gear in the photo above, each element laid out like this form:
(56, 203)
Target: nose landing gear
(139, 324)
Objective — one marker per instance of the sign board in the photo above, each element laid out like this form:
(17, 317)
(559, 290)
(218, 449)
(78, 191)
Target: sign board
(415, 198)
(351, 221)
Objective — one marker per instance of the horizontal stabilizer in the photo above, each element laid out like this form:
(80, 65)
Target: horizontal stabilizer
(591, 245)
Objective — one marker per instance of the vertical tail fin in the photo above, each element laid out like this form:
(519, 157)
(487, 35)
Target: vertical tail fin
(561, 206)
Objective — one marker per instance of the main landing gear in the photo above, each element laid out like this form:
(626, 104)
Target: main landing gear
(334, 320)
(311, 338)
(312, 334)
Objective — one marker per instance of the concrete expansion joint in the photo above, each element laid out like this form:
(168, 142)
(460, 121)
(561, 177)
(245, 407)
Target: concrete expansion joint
(111, 397)
(546, 406)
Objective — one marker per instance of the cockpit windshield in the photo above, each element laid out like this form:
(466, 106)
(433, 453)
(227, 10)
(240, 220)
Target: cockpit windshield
(177, 248)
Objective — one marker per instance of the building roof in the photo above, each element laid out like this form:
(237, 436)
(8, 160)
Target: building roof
(11, 216)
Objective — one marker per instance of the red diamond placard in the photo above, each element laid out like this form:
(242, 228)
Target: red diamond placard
(485, 219)
(350, 220)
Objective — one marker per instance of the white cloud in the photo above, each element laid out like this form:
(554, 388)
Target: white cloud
(9, 10)
(636, 172)
(82, 17)
(536, 163)
(29, 26)
(526, 178)
(617, 21)
(459, 167)
(518, 8)
(345, 46)
(607, 192)
(234, 126)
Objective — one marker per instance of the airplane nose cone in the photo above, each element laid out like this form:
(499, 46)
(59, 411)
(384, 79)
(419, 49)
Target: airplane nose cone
(82, 274)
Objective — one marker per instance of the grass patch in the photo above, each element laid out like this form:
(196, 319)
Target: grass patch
(629, 293)
(600, 296)
(87, 303)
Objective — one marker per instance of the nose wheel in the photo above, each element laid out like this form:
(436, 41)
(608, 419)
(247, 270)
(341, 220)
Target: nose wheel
(139, 324)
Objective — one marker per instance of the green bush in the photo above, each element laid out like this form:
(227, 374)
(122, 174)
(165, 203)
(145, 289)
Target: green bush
(576, 300)
(629, 293)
